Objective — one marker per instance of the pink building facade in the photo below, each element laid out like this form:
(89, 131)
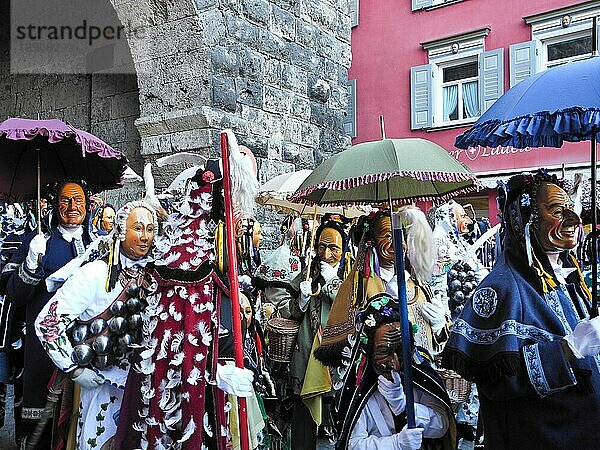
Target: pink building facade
(431, 67)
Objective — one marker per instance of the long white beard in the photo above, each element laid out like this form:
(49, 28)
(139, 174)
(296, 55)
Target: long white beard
(244, 185)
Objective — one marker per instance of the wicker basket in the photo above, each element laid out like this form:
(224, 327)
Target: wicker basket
(282, 335)
(458, 388)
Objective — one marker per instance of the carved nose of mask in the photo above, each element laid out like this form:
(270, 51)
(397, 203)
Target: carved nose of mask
(571, 218)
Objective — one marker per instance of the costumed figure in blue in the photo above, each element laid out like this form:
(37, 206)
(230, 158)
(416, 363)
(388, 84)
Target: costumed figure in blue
(103, 220)
(525, 337)
(38, 256)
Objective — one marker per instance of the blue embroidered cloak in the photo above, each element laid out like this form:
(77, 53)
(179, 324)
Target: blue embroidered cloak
(508, 341)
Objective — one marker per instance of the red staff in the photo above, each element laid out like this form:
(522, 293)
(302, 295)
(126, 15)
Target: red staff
(233, 286)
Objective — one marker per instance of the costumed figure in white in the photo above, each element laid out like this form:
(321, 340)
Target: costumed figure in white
(90, 324)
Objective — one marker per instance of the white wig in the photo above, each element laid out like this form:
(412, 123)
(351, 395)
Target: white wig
(419, 241)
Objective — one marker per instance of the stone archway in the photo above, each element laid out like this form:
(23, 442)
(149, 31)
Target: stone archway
(275, 71)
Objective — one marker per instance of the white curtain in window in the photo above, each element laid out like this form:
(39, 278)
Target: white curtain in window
(471, 99)
(450, 101)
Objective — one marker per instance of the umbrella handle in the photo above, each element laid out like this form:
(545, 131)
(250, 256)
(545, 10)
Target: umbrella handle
(318, 291)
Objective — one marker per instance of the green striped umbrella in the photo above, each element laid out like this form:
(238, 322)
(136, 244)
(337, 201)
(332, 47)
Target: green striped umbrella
(412, 169)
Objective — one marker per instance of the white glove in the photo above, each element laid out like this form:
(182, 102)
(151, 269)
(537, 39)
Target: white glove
(328, 271)
(435, 313)
(305, 291)
(245, 281)
(392, 287)
(37, 246)
(393, 392)
(409, 438)
(88, 379)
(235, 381)
(585, 338)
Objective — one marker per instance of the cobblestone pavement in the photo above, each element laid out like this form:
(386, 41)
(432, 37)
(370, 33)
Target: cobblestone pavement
(7, 433)
(7, 440)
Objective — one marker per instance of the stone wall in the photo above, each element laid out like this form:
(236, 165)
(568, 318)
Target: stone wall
(274, 71)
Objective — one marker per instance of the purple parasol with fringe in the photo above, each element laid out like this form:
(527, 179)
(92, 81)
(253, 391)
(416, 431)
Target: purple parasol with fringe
(62, 151)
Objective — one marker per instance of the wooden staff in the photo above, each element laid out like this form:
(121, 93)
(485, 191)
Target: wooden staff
(233, 287)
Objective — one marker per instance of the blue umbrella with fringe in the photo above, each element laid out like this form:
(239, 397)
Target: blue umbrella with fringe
(557, 105)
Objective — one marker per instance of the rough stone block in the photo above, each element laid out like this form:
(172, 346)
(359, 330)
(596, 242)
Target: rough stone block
(102, 109)
(268, 168)
(300, 107)
(283, 23)
(223, 93)
(241, 30)
(110, 130)
(319, 114)
(276, 100)
(251, 64)
(249, 92)
(258, 144)
(306, 33)
(302, 157)
(224, 60)
(191, 140)
(152, 145)
(293, 78)
(258, 11)
(206, 4)
(273, 70)
(289, 5)
(125, 105)
(310, 135)
(271, 44)
(302, 57)
(212, 24)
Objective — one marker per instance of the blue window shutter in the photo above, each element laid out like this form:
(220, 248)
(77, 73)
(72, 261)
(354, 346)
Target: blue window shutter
(421, 111)
(491, 76)
(598, 35)
(350, 121)
(421, 4)
(523, 61)
(353, 13)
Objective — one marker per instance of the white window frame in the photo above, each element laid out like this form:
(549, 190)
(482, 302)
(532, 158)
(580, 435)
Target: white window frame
(438, 90)
(426, 95)
(441, 61)
(550, 37)
(547, 29)
(545, 64)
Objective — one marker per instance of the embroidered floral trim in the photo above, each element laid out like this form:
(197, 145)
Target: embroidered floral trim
(27, 277)
(485, 301)
(507, 328)
(54, 338)
(535, 370)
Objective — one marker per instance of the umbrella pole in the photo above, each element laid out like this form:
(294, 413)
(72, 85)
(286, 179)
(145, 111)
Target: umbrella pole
(39, 194)
(312, 244)
(404, 324)
(234, 288)
(594, 231)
